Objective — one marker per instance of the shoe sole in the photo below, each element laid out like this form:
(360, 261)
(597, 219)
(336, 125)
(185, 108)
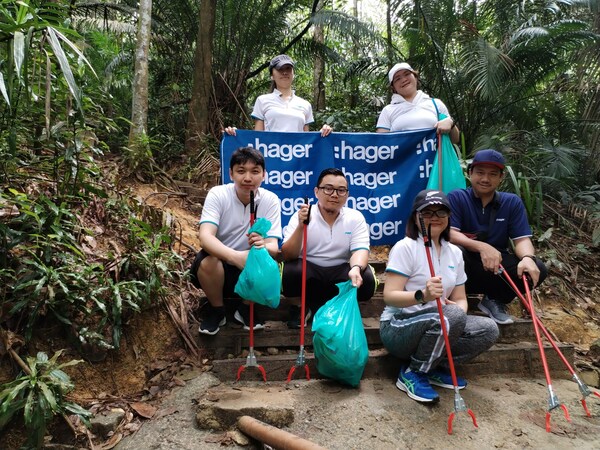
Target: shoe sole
(491, 316)
(212, 333)
(239, 319)
(444, 385)
(400, 385)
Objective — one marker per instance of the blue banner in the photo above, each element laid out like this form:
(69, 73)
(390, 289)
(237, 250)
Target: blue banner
(385, 171)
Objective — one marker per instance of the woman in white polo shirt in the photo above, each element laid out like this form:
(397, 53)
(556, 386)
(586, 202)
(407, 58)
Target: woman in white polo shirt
(410, 324)
(410, 108)
(282, 109)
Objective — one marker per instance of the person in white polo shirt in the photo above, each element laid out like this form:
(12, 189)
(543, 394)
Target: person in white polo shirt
(410, 325)
(410, 108)
(282, 109)
(337, 249)
(225, 240)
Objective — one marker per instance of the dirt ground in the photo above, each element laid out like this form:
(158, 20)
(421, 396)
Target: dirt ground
(376, 416)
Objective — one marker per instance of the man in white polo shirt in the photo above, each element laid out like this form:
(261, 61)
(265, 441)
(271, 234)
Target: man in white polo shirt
(225, 240)
(337, 249)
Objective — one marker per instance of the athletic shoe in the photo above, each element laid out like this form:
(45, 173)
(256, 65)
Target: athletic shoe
(294, 320)
(442, 378)
(215, 318)
(242, 315)
(416, 385)
(495, 310)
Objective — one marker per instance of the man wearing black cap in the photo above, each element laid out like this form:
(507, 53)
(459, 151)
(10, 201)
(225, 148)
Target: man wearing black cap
(483, 221)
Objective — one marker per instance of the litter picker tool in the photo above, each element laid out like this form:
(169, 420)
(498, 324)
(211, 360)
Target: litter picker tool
(251, 358)
(300, 361)
(583, 388)
(459, 403)
(553, 402)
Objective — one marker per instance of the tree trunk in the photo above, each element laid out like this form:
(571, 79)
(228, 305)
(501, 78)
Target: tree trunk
(139, 106)
(198, 115)
(319, 70)
(354, 92)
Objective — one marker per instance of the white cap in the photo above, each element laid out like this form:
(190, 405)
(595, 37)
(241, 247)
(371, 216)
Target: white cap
(398, 67)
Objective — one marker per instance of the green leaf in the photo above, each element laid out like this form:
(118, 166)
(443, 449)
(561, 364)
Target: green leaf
(48, 395)
(3, 89)
(18, 51)
(64, 64)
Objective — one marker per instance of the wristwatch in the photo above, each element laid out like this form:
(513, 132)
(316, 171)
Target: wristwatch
(419, 297)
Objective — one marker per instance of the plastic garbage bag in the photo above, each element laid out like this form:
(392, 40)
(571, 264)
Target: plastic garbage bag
(339, 340)
(452, 173)
(260, 281)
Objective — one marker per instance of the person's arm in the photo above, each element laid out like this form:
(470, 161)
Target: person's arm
(291, 247)
(382, 130)
(526, 253)
(212, 244)
(490, 256)
(358, 262)
(394, 293)
(459, 297)
(259, 125)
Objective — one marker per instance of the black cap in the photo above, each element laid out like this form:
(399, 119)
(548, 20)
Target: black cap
(279, 61)
(428, 197)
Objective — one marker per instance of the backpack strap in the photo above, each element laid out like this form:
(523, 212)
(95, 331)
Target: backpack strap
(437, 111)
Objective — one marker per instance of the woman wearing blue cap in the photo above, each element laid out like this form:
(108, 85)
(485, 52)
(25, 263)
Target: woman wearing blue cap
(410, 324)
(412, 109)
(282, 109)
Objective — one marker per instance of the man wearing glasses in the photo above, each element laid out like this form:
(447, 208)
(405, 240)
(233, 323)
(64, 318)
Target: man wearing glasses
(337, 248)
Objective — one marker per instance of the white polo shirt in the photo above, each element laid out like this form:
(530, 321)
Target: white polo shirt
(281, 115)
(402, 115)
(224, 209)
(408, 258)
(331, 246)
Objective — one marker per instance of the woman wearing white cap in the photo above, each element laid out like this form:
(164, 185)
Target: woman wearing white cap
(282, 109)
(411, 108)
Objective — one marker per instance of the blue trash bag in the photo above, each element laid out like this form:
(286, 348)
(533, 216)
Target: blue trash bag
(260, 281)
(339, 340)
(452, 173)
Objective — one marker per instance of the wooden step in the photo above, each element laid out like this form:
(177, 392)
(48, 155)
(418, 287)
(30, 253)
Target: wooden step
(233, 339)
(516, 359)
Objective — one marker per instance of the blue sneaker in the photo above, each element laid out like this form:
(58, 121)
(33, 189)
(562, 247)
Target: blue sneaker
(416, 385)
(442, 378)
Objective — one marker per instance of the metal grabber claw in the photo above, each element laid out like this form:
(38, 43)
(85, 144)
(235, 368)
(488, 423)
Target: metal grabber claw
(583, 388)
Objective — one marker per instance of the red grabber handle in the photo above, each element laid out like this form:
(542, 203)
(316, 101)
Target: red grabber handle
(583, 388)
(459, 404)
(300, 360)
(251, 358)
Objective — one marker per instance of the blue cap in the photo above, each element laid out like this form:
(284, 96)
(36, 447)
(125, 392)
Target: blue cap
(489, 156)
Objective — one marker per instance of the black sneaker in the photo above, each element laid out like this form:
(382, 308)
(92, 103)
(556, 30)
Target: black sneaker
(215, 318)
(294, 320)
(242, 315)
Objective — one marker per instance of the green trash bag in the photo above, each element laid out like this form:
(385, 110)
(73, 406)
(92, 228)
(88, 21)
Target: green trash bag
(452, 173)
(339, 339)
(260, 281)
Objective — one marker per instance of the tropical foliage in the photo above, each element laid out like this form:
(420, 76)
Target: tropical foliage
(519, 76)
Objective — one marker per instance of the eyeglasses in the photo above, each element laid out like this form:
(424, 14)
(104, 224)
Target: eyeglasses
(342, 192)
(441, 213)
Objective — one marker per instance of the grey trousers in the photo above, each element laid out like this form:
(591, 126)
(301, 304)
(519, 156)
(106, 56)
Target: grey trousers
(418, 336)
